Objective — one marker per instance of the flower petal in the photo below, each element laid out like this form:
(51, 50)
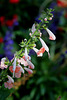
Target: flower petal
(51, 35)
(28, 70)
(30, 64)
(44, 45)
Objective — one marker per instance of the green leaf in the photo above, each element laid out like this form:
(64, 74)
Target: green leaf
(32, 93)
(42, 89)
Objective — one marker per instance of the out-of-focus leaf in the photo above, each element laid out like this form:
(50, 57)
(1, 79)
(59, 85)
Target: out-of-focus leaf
(32, 93)
(54, 79)
(42, 89)
(4, 92)
(41, 79)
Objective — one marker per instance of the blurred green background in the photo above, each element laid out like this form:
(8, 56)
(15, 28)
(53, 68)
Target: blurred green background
(49, 80)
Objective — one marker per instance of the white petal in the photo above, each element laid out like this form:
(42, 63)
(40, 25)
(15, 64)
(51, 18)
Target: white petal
(51, 34)
(44, 45)
(10, 79)
(26, 55)
(3, 59)
(14, 66)
(28, 70)
(30, 64)
(36, 50)
(33, 28)
(22, 70)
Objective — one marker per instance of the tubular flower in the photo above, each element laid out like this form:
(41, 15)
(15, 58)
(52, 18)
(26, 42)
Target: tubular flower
(2, 65)
(18, 70)
(28, 70)
(51, 35)
(38, 52)
(31, 66)
(26, 56)
(45, 47)
(9, 83)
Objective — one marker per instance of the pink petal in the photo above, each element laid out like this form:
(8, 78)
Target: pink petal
(18, 75)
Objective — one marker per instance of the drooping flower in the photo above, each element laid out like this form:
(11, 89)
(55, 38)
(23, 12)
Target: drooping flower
(2, 65)
(9, 83)
(26, 56)
(28, 70)
(30, 65)
(38, 52)
(45, 47)
(51, 35)
(18, 70)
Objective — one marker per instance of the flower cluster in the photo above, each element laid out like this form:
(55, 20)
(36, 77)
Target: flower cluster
(21, 62)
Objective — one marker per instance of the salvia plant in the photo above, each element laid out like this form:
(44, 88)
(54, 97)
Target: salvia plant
(21, 62)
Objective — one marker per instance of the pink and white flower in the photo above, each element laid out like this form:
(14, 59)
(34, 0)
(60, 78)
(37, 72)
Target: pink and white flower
(30, 65)
(9, 83)
(26, 56)
(45, 47)
(38, 52)
(22, 61)
(2, 65)
(18, 70)
(51, 35)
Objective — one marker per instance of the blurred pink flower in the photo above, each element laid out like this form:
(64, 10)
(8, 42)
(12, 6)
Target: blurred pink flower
(9, 83)
(62, 3)
(14, 1)
(30, 65)
(18, 70)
